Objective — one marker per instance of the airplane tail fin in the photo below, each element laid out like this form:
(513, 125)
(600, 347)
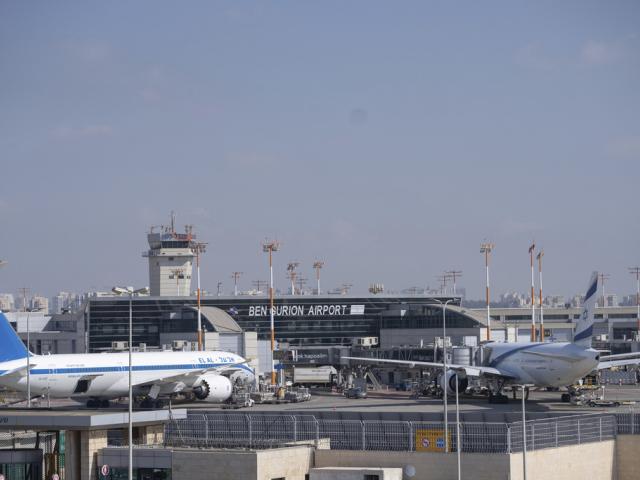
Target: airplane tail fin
(584, 326)
(11, 347)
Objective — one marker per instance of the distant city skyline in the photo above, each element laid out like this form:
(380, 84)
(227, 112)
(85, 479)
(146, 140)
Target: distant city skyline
(387, 140)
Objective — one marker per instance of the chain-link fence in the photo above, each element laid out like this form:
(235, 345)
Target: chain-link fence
(264, 431)
(628, 422)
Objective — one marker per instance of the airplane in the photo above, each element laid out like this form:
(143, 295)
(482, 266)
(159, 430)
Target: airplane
(536, 364)
(100, 377)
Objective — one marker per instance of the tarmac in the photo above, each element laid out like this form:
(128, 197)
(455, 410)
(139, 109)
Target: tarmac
(393, 405)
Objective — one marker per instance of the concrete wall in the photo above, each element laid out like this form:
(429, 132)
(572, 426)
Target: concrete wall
(292, 463)
(594, 461)
(434, 466)
(348, 473)
(627, 457)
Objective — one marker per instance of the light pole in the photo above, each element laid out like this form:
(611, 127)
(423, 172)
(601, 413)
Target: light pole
(486, 248)
(458, 428)
(318, 264)
(636, 271)
(533, 296)
(539, 257)
(199, 249)
(524, 435)
(444, 373)
(29, 358)
(270, 247)
(130, 291)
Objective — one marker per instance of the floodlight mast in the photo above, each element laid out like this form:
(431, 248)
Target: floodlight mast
(291, 272)
(235, 276)
(270, 247)
(533, 295)
(198, 249)
(539, 257)
(604, 277)
(636, 271)
(317, 265)
(486, 248)
(454, 274)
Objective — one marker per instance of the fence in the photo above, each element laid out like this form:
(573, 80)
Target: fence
(266, 431)
(628, 422)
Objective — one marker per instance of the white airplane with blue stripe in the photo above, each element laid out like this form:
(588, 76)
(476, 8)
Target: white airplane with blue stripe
(534, 364)
(99, 377)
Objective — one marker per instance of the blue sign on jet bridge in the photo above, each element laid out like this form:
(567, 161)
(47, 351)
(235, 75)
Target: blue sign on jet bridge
(440, 442)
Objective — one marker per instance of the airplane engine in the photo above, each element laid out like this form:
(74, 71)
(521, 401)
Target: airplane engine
(212, 388)
(450, 382)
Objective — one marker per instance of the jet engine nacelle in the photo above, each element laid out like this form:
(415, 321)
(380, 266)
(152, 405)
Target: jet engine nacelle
(212, 388)
(448, 381)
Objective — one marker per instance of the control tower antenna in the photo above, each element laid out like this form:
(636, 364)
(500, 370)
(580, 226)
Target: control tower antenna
(317, 265)
(636, 271)
(291, 269)
(198, 248)
(604, 277)
(454, 275)
(235, 276)
(486, 248)
(270, 246)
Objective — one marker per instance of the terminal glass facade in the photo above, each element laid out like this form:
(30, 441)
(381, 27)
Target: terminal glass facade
(304, 320)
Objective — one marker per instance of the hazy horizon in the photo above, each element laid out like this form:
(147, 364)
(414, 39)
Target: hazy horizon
(388, 140)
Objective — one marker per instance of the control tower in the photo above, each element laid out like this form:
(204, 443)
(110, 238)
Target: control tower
(170, 257)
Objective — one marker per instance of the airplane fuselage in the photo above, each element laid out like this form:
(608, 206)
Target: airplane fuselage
(106, 374)
(542, 364)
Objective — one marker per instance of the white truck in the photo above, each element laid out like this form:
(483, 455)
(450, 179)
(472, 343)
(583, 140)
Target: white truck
(313, 375)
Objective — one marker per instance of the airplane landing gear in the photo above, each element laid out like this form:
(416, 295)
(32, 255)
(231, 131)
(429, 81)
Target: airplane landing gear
(514, 392)
(152, 403)
(498, 398)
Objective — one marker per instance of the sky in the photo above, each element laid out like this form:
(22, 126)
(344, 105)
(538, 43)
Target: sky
(388, 139)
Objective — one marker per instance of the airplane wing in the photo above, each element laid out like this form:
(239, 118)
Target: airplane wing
(182, 377)
(618, 363)
(619, 356)
(471, 371)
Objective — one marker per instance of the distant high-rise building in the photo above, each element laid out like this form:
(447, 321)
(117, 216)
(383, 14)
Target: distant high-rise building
(65, 302)
(40, 303)
(554, 301)
(7, 303)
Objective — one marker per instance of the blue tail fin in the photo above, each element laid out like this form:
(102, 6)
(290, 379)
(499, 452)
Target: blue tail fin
(11, 347)
(584, 325)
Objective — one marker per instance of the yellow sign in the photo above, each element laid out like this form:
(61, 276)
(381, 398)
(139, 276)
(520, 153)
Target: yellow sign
(431, 440)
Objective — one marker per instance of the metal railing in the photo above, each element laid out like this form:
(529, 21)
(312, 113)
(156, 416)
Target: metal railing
(218, 430)
(628, 422)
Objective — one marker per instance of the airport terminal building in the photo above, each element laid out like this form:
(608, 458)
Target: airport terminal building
(298, 320)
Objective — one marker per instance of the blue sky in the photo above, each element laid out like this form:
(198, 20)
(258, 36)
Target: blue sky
(387, 138)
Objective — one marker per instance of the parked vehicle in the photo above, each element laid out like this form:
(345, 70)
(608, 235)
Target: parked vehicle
(355, 392)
